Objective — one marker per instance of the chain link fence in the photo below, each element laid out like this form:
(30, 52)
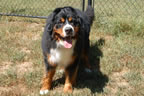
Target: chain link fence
(120, 8)
(110, 15)
(115, 16)
(34, 8)
(42, 8)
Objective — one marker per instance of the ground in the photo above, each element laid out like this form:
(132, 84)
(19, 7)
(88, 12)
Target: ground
(116, 54)
(117, 58)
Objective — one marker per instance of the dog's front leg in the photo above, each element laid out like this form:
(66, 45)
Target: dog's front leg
(47, 81)
(70, 78)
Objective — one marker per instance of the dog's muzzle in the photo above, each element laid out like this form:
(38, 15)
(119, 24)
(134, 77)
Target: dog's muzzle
(68, 30)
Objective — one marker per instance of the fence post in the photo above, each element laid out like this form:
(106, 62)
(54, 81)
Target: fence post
(83, 5)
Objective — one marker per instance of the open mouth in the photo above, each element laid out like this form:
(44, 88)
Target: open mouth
(68, 42)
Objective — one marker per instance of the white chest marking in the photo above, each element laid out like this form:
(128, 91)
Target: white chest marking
(61, 55)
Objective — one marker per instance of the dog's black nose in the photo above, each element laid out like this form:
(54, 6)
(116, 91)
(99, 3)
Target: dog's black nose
(68, 30)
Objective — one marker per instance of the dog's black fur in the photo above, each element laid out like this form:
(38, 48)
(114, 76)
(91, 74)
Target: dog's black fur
(86, 20)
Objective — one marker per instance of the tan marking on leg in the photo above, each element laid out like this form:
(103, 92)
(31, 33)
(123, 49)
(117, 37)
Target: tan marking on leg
(47, 80)
(69, 81)
(68, 84)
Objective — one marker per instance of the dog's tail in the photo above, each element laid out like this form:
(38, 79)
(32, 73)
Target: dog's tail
(90, 11)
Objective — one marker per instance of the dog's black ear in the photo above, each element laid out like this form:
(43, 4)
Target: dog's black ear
(50, 21)
(79, 20)
(81, 23)
(57, 10)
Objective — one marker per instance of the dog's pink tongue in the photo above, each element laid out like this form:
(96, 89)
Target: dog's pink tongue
(68, 43)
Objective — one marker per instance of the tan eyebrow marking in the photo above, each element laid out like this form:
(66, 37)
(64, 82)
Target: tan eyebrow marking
(70, 19)
(62, 20)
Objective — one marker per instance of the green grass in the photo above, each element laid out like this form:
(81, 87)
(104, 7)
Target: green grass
(116, 54)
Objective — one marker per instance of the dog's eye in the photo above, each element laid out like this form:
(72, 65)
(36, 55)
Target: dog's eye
(58, 26)
(60, 22)
(72, 22)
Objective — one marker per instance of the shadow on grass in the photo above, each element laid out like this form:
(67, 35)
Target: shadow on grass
(95, 80)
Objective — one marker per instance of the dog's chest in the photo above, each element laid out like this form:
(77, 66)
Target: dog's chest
(61, 56)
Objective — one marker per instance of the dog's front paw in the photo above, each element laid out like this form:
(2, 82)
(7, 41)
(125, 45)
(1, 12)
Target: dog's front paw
(43, 92)
(68, 88)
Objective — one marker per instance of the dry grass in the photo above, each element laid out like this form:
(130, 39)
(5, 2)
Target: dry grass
(117, 57)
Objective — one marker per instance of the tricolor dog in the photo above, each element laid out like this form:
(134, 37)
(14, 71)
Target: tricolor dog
(65, 42)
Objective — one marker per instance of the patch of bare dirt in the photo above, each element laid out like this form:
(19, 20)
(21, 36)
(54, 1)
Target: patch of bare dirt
(16, 90)
(121, 73)
(4, 66)
(24, 67)
(108, 37)
(33, 25)
(119, 77)
(126, 58)
(36, 37)
(25, 50)
(112, 89)
(118, 81)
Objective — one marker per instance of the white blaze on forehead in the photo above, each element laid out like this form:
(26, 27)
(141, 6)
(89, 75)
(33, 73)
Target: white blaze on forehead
(69, 26)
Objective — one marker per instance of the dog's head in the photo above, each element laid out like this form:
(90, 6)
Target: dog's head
(65, 24)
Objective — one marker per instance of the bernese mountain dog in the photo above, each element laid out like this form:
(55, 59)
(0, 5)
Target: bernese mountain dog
(65, 42)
